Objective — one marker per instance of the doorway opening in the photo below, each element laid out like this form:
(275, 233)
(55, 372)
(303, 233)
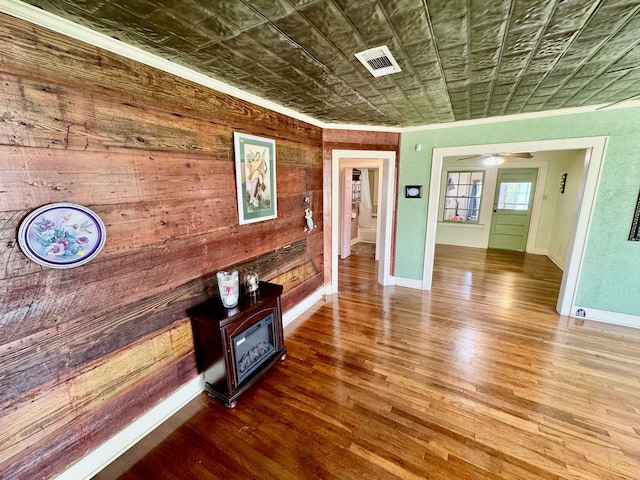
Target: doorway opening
(385, 162)
(589, 174)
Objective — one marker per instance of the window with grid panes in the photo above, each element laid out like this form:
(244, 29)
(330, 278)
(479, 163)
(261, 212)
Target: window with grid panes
(462, 196)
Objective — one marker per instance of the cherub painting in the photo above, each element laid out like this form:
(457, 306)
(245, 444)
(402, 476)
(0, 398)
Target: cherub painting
(255, 178)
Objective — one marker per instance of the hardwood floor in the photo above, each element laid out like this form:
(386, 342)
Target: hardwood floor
(477, 379)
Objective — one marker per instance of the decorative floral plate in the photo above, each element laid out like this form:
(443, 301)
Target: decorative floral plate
(61, 235)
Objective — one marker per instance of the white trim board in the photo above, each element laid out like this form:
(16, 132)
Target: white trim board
(605, 316)
(595, 150)
(37, 16)
(408, 283)
(385, 161)
(302, 306)
(107, 452)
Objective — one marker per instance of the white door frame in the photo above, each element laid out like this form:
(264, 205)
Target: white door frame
(595, 150)
(386, 162)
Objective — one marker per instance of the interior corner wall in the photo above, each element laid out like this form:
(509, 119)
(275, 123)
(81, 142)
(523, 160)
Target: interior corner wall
(566, 206)
(86, 350)
(610, 271)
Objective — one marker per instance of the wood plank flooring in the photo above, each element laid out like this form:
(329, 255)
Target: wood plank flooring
(477, 379)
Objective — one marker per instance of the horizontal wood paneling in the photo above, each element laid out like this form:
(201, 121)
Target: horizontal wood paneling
(83, 351)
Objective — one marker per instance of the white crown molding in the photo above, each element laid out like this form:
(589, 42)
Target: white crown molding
(525, 116)
(60, 25)
(40, 17)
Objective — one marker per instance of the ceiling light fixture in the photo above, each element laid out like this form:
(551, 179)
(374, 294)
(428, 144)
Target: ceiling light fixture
(493, 160)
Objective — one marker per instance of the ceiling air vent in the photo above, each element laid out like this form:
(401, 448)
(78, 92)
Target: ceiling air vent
(378, 61)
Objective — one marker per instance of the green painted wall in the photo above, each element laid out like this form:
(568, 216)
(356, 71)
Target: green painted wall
(610, 275)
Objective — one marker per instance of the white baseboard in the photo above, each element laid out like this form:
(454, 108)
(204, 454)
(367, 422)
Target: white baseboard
(408, 282)
(605, 316)
(559, 262)
(93, 462)
(301, 307)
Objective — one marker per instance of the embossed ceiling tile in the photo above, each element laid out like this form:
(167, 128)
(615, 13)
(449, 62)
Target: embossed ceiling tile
(184, 36)
(484, 75)
(484, 59)
(451, 32)
(141, 8)
(499, 99)
(534, 13)
(509, 63)
(609, 17)
(479, 87)
(369, 20)
(542, 64)
(407, 82)
(482, 11)
(556, 79)
(454, 56)
(531, 79)
(241, 51)
(554, 44)
(220, 55)
(525, 90)
(326, 17)
(456, 72)
(316, 44)
(129, 22)
(271, 9)
(437, 89)
(412, 27)
(446, 9)
(487, 36)
(266, 44)
(349, 44)
(70, 9)
(428, 72)
(422, 54)
(521, 40)
(508, 76)
(571, 15)
(397, 8)
(630, 59)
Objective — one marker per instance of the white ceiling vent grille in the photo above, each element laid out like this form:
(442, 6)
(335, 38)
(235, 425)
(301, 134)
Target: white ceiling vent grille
(378, 61)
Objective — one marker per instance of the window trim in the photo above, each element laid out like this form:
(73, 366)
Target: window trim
(444, 197)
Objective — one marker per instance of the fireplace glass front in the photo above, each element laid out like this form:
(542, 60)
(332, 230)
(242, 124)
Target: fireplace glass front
(253, 346)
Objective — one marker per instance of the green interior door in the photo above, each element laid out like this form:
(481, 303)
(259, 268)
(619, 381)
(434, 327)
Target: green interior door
(512, 208)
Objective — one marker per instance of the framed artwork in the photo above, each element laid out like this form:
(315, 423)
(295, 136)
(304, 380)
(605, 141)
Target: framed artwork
(634, 233)
(413, 191)
(255, 159)
(61, 235)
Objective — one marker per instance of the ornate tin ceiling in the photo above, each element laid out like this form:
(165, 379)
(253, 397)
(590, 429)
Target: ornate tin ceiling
(460, 59)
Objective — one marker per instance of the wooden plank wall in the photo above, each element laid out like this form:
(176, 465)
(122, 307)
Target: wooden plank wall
(334, 139)
(84, 351)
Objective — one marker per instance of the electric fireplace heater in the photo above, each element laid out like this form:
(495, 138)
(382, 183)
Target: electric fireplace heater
(236, 346)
